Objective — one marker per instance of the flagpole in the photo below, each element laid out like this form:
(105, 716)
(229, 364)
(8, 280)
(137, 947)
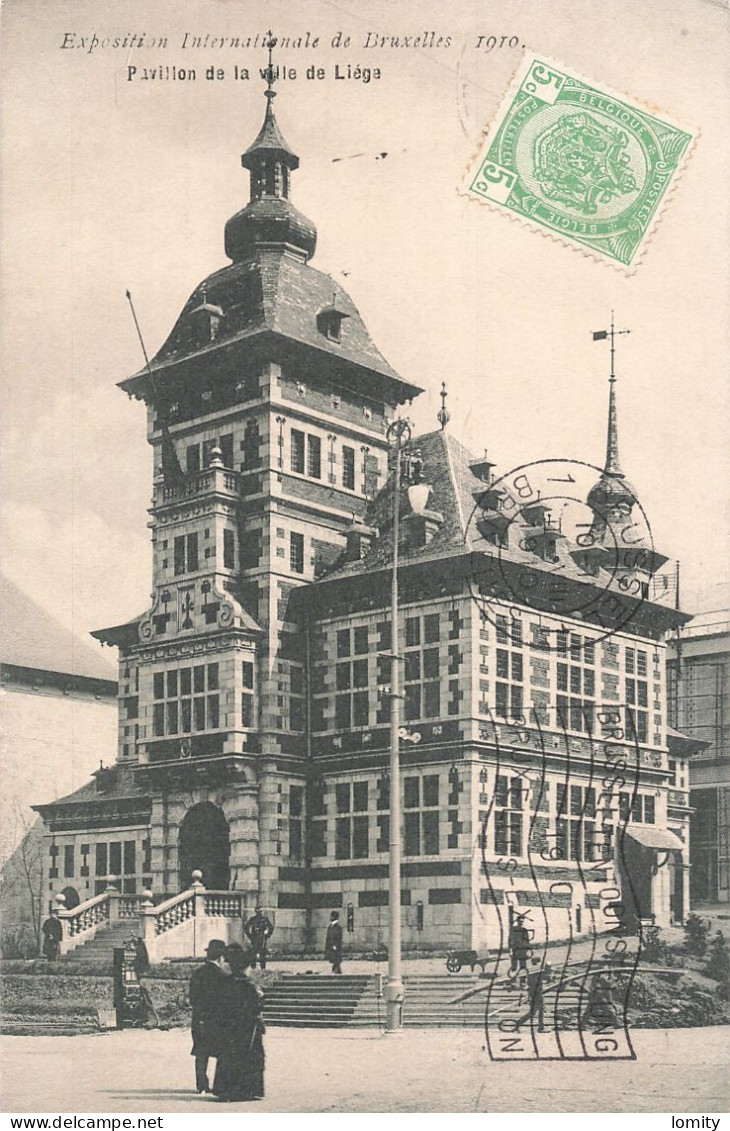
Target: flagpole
(171, 468)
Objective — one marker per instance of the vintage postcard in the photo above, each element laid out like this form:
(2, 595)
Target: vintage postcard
(366, 628)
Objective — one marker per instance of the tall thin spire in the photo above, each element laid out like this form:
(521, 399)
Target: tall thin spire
(612, 466)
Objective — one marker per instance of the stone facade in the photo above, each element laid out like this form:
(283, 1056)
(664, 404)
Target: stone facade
(699, 690)
(255, 694)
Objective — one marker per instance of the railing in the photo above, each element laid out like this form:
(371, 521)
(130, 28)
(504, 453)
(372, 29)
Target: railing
(678, 797)
(129, 906)
(87, 916)
(223, 904)
(199, 914)
(212, 479)
(173, 912)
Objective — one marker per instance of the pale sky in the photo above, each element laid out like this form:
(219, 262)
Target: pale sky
(111, 184)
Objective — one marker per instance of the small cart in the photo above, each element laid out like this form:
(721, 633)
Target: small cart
(455, 959)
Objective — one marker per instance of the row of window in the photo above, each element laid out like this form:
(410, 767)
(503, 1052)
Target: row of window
(115, 858)
(186, 555)
(187, 701)
(422, 829)
(575, 835)
(306, 458)
(579, 649)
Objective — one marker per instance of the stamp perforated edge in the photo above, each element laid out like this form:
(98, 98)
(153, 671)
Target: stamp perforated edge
(489, 132)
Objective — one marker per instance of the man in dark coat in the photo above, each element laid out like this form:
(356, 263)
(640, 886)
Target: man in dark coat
(259, 930)
(208, 1002)
(538, 976)
(520, 951)
(52, 935)
(333, 943)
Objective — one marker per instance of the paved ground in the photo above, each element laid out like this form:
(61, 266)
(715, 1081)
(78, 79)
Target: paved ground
(680, 1070)
(579, 951)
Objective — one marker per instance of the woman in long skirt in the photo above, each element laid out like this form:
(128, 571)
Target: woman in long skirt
(240, 1072)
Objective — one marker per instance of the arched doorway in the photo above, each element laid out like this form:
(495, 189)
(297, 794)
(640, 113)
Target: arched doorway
(72, 898)
(204, 843)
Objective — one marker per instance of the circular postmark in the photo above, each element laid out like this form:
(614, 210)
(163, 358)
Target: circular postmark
(566, 539)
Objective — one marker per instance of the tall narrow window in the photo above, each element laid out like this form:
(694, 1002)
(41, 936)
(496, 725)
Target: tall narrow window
(314, 457)
(247, 716)
(192, 459)
(348, 468)
(297, 451)
(192, 551)
(179, 558)
(296, 552)
(226, 447)
(229, 557)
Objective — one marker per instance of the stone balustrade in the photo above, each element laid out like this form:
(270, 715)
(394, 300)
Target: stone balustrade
(180, 926)
(218, 479)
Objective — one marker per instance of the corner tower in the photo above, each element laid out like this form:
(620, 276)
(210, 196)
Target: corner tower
(267, 408)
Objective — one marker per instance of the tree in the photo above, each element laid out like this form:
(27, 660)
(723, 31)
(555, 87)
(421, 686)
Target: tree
(695, 935)
(22, 893)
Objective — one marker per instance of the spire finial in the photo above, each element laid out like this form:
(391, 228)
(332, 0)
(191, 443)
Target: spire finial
(612, 466)
(270, 93)
(442, 415)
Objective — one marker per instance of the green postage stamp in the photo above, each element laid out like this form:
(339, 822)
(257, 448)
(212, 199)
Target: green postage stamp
(579, 161)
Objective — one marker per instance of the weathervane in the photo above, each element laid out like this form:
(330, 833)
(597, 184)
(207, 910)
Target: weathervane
(270, 76)
(601, 335)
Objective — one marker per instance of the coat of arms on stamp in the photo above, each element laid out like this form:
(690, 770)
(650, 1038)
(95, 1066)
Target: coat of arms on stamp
(579, 161)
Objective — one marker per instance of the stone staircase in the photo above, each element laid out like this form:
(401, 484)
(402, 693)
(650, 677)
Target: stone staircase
(432, 1001)
(328, 1001)
(100, 948)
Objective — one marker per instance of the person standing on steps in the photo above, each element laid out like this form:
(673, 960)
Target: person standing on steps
(333, 943)
(537, 977)
(208, 1000)
(52, 935)
(520, 951)
(258, 931)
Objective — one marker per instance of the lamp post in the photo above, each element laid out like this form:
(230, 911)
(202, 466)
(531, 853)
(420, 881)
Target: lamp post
(399, 433)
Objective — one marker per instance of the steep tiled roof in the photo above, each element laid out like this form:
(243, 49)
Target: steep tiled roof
(455, 491)
(275, 292)
(117, 784)
(271, 139)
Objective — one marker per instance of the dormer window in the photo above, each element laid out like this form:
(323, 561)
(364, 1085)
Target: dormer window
(206, 319)
(329, 321)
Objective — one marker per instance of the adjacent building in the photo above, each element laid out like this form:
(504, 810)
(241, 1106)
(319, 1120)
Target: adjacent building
(699, 698)
(255, 692)
(58, 706)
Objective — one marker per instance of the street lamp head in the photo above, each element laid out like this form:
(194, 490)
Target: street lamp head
(418, 497)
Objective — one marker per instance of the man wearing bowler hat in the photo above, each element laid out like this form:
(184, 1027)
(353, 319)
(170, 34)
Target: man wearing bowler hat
(207, 1000)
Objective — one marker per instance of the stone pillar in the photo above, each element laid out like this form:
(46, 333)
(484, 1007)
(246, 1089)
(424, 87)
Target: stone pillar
(176, 809)
(241, 810)
(269, 836)
(112, 891)
(660, 889)
(158, 836)
(148, 918)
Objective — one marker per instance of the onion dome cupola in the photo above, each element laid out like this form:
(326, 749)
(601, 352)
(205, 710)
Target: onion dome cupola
(270, 219)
